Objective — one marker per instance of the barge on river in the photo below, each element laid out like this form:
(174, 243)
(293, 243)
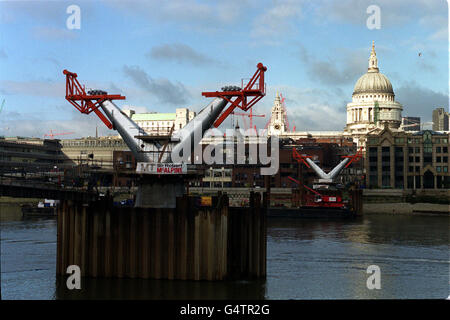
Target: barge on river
(46, 208)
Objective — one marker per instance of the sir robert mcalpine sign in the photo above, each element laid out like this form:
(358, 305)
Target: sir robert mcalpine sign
(161, 168)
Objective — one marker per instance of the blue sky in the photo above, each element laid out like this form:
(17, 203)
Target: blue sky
(162, 54)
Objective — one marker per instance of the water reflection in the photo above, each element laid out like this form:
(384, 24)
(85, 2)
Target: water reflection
(312, 259)
(376, 229)
(10, 212)
(138, 289)
(306, 259)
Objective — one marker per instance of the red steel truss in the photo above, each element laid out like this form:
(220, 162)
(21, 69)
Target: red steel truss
(86, 103)
(299, 183)
(244, 98)
(354, 158)
(250, 115)
(297, 156)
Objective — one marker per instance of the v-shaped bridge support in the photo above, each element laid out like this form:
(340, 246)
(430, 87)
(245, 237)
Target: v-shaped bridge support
(334, 172)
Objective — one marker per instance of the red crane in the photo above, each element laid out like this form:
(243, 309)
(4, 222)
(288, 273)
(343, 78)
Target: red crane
(244, 97)
(284, 111)
(286, 121)
(250, 115)
(51, 134)
(86, 103)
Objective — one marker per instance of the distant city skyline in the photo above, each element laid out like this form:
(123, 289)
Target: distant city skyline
(162, 55)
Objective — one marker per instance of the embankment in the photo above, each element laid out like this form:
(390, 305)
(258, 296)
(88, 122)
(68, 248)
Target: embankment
(397, 201)
(406, 208)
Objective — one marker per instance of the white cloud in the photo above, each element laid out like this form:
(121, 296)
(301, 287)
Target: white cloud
(308, 109)
(440, 35)
(180, 53)
(33, 88)
(393, 13)
(54, 33)
(30, 125)
(343, 67)
(277, 20)
(161, 88)
(420, 101)
(203, 16)
(137, 109)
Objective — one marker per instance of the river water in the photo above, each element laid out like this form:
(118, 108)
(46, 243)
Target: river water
(306, 259)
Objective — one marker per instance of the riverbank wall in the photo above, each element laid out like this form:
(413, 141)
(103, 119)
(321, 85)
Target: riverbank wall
(398, 201)
(406, 208)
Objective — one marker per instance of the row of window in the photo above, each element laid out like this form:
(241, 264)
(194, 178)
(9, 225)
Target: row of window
(419, 140)
(399, 169)
(410, 140)
(93, 143)
(154, 123)
(412, 182)
(417, 169)
(439, 159)
(428, 149)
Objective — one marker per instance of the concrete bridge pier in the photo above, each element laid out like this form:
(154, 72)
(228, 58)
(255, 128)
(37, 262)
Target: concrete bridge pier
(159, 191)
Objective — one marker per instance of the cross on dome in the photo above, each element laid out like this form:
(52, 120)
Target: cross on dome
(373, 61)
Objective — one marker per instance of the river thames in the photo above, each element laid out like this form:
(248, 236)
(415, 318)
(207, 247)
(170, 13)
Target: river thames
(306, 259)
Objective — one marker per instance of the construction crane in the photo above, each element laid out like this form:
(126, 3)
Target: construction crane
(283, 105)
(52, 135)
(1, 107)
(286, 121)
(250, 115)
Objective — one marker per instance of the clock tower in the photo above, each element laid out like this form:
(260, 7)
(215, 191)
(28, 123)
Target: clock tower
(277, 124)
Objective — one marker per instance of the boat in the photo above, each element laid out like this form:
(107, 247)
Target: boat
(317, 205)
(326, 197)
(46, 208)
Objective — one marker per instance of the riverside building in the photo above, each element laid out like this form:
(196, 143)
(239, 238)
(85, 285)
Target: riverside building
(402, 160)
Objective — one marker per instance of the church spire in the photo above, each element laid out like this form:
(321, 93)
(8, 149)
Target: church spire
(373, 61)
